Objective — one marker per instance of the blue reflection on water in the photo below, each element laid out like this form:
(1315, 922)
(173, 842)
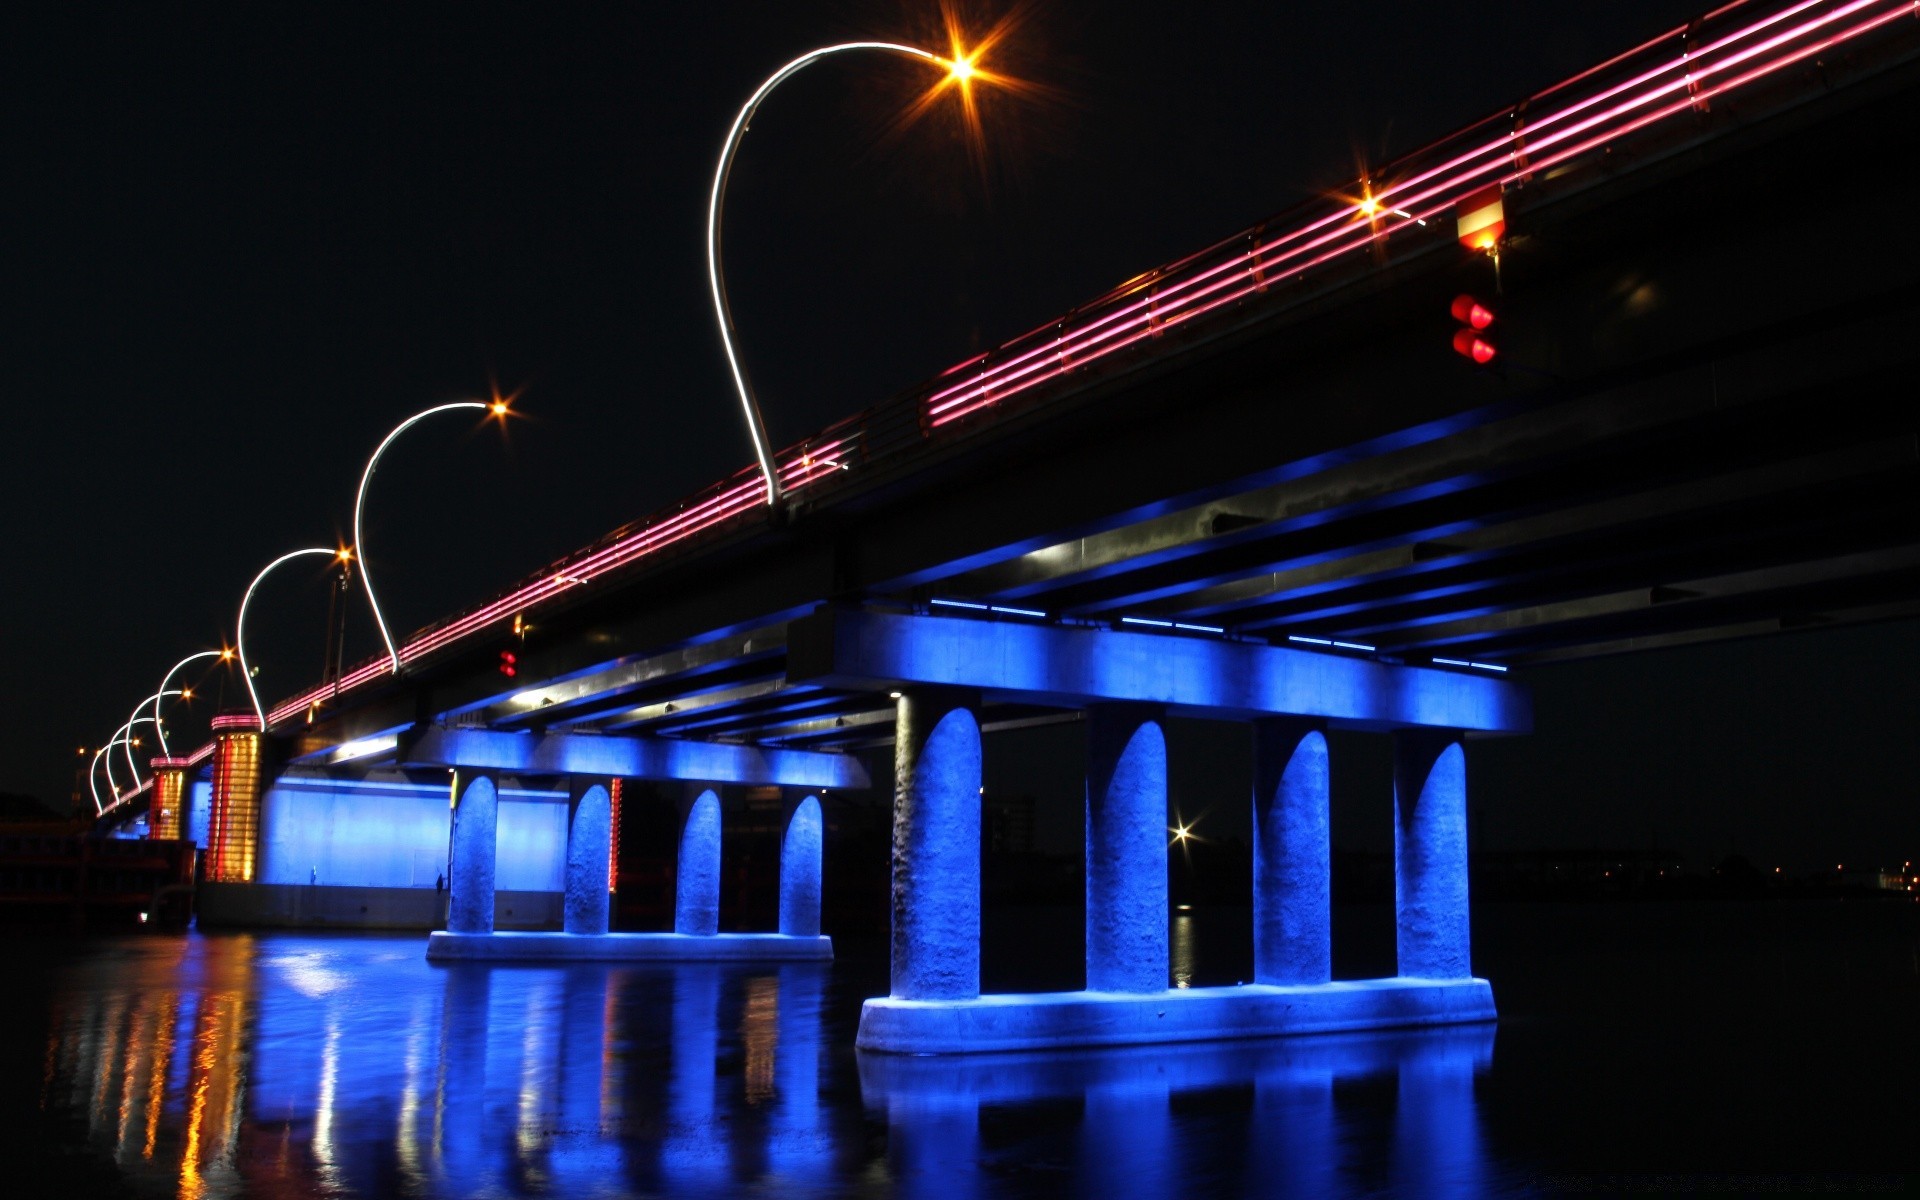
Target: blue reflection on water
(284, 1064)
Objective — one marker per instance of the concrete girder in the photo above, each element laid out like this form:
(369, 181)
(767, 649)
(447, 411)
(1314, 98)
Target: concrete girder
(629, 758)
(1078, 666)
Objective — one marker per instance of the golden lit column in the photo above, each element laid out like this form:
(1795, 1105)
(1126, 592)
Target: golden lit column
(168, 799)
(233, 822)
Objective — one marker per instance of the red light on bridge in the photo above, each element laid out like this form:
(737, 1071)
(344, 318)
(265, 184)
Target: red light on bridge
(1478, 349)
(1469, 311)
(509, 663)
(1474, 318)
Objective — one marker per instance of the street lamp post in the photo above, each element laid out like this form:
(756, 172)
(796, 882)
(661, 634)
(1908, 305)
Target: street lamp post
(154, 700)
(240, 625)
(167, 679)
(93, 782)
(959, 69)
(132, 764)
(497, 408)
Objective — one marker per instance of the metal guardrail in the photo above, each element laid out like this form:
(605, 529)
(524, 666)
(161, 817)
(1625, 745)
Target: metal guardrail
(1638, 100)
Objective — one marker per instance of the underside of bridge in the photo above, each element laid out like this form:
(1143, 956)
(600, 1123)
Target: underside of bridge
(1699, 427)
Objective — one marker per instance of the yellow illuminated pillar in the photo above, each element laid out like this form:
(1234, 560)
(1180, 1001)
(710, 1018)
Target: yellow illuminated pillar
(168, 799)
(233, 823)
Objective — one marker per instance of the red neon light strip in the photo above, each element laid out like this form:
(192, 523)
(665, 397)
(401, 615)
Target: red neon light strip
(1194, 286)
(744, 496)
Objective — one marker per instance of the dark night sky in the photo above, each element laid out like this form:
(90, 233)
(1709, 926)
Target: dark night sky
(241, 243)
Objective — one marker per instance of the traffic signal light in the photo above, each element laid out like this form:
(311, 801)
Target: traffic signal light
(1471, 339)
(509, 663)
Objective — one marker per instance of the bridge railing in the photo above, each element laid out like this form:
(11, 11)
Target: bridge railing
(1653, 96)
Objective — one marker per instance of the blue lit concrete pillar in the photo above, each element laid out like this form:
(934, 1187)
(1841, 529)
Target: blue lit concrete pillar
(936, 846)
(696, 893)
(1430, 853)
(1126, 849)
(800, 870)
(475, 824)
(1292, 854)
(589, 834)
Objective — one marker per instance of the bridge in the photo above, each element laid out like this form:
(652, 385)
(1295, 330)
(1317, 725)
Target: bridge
(1257, 485)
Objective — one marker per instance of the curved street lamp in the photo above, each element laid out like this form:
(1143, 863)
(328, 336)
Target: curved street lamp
(497, 408)
(129, 741)
(113, 785)
(154, 700)
(960, 69)
(240, 625)
(168, 679)
(93, 782)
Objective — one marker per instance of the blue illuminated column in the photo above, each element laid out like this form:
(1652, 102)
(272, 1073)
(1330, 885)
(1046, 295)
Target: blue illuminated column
(1430, 853)
(475, 822)
(696, 894)
(589, 830)
(936, 846)
(800, 871)
(1126, 849)
(1292, 854)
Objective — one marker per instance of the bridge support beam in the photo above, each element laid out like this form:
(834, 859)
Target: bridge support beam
(589, 845)
(1126, 849)
(1292, 854)
(475, 830)
(1430, 854)
(800, 862)
(936, 847)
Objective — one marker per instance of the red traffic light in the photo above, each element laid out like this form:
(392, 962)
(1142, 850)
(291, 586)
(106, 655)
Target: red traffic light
(1469, 311)
(1473, 317)
(509, 663)
(1473, 346)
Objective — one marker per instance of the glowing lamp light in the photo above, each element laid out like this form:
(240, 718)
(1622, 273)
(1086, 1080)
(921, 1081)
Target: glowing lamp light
(961, 69)
(1474, 318)
(1481, 219)
(1469, 311)
(509, 663)
(1478, 349)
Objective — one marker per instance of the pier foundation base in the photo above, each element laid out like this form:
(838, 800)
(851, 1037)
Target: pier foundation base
(1044, 1020)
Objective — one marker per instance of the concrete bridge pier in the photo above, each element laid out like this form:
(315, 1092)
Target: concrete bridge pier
(1430, 854)
(475, 840)
(696, 892)
(591, 765)
(800, 869)
(936, 846)
(1292, 853)
(1126, 849)
(1125, 683)
(589, 853)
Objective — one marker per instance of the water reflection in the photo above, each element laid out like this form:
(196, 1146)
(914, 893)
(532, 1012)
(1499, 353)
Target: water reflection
(342, 1066)
(1151, 1119)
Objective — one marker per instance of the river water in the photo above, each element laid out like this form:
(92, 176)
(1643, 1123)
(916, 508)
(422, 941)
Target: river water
(1730, 1047)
